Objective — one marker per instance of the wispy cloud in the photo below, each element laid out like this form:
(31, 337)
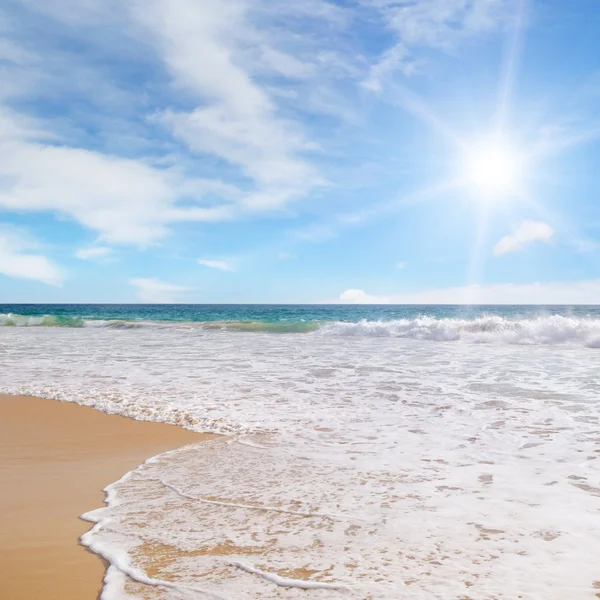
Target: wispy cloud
(430, 24)
(220, 265)
(525, 234)
(401, 265)
(555, 139)
(393, 59)
(94, 253)
(17, 259)
(153, 291)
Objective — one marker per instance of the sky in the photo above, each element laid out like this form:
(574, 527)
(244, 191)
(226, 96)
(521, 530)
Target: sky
(306, 151)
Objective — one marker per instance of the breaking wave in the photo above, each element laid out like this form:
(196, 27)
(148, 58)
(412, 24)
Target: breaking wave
(541, 330)
(14, 320)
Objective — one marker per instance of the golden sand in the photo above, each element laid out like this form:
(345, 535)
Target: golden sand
(55, 458)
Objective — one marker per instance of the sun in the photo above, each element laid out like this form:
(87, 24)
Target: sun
(491, 169)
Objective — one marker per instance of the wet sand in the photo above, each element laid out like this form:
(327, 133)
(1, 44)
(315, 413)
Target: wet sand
(55, 458)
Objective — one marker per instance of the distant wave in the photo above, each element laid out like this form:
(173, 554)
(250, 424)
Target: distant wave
(14, 320)
(264, 326)
(541, 330)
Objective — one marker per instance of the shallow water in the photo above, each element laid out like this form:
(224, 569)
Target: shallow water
(382, 465)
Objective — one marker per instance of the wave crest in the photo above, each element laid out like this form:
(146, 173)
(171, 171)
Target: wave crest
(15, 320)
(542, 330)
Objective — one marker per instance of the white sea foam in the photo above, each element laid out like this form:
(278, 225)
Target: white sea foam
(381, 465)
(286, 582)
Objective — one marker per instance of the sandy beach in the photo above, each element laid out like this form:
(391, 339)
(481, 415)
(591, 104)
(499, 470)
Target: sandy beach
(55, 458)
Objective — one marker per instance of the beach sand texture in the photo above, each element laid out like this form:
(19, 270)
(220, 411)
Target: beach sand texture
(55, 458)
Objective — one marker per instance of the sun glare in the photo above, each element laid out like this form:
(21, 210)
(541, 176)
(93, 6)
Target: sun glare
(491, 169)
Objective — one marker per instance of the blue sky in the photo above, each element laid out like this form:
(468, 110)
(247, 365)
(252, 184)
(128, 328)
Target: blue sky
(302, 151)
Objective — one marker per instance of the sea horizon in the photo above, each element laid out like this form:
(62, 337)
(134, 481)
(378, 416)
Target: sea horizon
(526, 304)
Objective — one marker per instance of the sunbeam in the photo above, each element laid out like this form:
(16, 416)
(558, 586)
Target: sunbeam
(477, 254)
(420, 109)
(510, 67)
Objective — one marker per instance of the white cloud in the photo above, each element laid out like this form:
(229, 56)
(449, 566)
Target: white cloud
(93, 253)
(153, 291)
(401, 265)
(220, 265)
(526, 233)
(17, 260)
(558, 292)
(439, 24)
(361, 297)
(125, 200)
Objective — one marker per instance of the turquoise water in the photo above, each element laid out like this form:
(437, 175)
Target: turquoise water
(269, 317)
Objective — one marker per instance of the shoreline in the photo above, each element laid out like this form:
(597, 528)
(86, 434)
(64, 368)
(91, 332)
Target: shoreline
(55, 460)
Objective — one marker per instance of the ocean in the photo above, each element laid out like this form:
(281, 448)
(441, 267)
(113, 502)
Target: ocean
(365, 452)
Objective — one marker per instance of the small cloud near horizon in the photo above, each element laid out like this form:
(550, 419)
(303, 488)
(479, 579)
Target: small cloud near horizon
(353, 296)
(153, 291)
